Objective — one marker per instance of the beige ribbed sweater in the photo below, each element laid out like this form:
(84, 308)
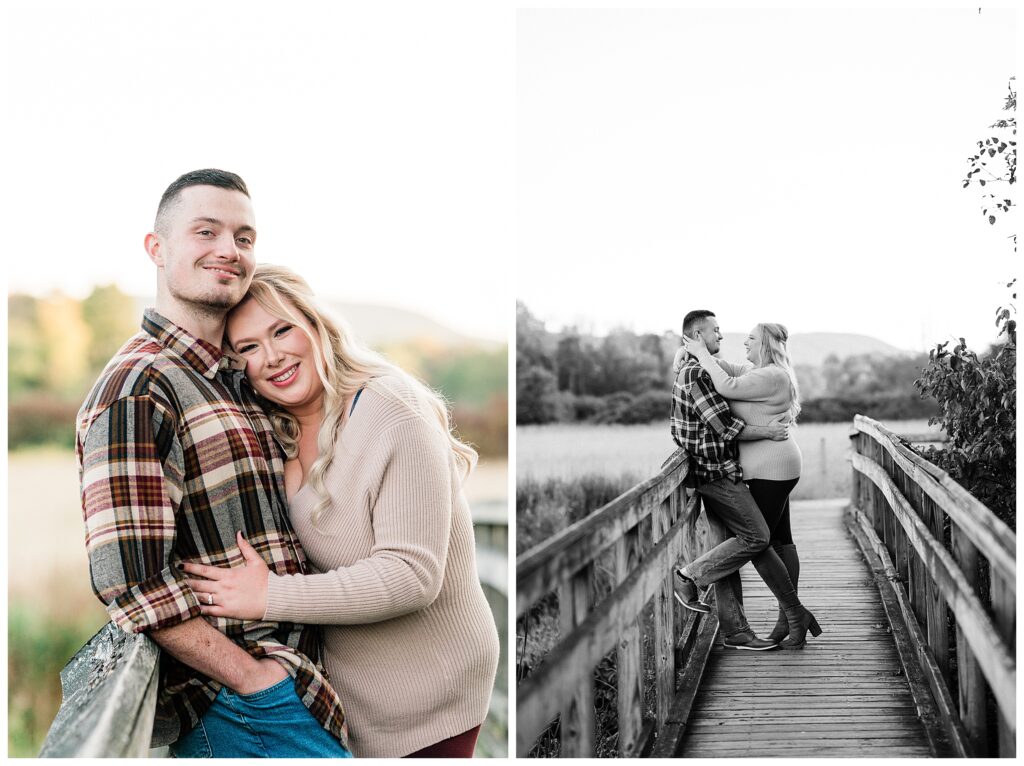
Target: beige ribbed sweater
(759, 396)
(410, 643)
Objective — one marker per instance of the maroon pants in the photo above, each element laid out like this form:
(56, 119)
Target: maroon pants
(459, 746)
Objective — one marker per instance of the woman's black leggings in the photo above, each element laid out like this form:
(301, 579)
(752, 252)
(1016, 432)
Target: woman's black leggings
(772, 497)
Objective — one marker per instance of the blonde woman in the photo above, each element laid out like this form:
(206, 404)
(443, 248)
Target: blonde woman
(762, 392)
(374, 481)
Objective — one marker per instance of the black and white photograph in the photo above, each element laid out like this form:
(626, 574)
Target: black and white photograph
(765, 383)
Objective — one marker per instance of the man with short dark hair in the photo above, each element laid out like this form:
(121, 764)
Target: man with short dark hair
(175, 460)
(702, 424)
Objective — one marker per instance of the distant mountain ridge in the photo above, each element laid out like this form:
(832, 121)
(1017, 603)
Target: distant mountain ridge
(812, 348)
(384, 325)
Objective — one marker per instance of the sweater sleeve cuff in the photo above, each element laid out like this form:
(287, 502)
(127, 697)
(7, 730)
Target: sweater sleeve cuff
(277, 599)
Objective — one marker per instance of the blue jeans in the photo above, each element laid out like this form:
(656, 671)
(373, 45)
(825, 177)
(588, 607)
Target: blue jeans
(729, 606)
(735, 507)
(731, 502)
(272, 723)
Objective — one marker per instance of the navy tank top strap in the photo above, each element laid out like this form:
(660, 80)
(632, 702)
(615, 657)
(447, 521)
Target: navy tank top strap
(354, 400)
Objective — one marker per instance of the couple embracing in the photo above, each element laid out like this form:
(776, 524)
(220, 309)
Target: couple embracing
(251, 473)
(733, 421)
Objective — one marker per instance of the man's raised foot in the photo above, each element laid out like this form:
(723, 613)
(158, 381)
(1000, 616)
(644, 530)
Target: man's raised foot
(688, 595)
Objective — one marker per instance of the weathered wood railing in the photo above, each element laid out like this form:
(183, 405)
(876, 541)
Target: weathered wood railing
(490, 527)
(110, 685)
(636, 539)
(938, 544)
(109, 698)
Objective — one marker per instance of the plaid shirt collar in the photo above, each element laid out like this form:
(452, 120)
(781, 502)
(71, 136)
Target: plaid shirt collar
(206, 358)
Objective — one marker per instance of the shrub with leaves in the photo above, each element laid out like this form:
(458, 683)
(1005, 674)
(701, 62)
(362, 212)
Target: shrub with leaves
(995, 162)
(977, 396)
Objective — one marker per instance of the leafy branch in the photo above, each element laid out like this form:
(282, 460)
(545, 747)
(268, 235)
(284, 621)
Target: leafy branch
(996, 161)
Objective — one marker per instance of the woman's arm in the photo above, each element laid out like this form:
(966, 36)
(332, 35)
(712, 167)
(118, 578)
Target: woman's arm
(411, 521)
(733, 369)
(758, 385)
(749, 385)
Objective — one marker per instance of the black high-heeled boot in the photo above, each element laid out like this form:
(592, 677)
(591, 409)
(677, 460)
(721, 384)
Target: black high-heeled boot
(800, 621)
(787, 553)
(781, 629)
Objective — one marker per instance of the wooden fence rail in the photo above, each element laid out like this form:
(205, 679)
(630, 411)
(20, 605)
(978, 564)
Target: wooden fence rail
(950, 561)
(109, 698)
(609, 572)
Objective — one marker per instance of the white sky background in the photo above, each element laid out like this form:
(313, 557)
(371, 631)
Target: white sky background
(377, 143)
(800, 166)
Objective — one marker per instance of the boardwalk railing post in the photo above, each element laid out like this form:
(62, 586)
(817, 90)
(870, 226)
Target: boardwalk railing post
(1004, 606)
(971, 682)
(577, 719)
(938, 615)
(664, 626)
(629, 652)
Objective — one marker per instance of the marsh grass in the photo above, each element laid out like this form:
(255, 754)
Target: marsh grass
(545, 506)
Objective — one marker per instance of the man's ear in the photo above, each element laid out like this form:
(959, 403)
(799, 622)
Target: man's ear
(154, 248)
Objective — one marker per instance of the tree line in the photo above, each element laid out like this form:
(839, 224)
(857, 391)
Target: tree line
(626, 377)
(57, 346)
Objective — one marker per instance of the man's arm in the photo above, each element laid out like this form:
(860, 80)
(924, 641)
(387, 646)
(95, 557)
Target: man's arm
(132, 483)
(201, 646)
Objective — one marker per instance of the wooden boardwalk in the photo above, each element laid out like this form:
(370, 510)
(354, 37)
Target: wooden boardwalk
(844, 695)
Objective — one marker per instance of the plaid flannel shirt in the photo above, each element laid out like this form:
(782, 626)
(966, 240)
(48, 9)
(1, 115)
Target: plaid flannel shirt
(174, 457)
(702, 424)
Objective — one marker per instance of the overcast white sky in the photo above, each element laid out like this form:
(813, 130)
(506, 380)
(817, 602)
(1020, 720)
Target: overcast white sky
(800, 166)
(377, 141)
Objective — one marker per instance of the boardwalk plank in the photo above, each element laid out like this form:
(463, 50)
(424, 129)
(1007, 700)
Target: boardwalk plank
(844, 695)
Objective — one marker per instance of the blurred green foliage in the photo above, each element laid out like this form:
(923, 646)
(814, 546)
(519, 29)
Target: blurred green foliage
(474, 380)
(58, 345)
(38, 646)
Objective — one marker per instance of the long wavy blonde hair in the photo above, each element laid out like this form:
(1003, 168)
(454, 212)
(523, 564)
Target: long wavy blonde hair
(345, 368)
(774, 352)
